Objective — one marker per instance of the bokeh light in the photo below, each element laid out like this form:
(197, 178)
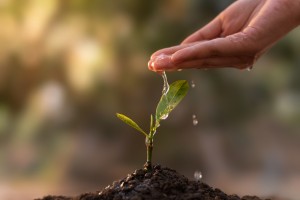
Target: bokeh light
(66, 68)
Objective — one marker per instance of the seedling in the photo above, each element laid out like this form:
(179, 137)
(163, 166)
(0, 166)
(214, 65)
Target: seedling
(168, 101)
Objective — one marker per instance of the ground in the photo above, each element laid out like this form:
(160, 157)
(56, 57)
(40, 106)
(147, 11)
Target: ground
(161, 183)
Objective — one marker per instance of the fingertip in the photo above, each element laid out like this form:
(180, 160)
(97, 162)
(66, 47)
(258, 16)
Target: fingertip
(187, 41)
(150, 62)
(151, 65)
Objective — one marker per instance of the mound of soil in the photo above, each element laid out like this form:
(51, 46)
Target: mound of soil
(160, 183)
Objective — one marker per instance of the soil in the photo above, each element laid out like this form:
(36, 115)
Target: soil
(160, 183)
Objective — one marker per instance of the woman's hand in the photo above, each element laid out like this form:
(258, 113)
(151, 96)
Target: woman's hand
(237, 37)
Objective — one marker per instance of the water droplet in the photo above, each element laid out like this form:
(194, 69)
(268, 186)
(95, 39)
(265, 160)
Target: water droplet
(161, 56)
(249, 68)
(193, 84)
(179, 70)
(164, 116)
(197, 175)
(170, 108)
(237, 38)
(155, 130)
(195, 120)
(147, 141)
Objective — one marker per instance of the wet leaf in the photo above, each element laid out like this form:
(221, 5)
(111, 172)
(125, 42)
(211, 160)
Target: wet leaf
(169, 101)
(131, 123)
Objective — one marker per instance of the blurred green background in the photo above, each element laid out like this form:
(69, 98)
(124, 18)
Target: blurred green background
(66, 68)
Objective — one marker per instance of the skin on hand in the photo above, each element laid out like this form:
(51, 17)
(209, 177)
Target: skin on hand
(237, 37)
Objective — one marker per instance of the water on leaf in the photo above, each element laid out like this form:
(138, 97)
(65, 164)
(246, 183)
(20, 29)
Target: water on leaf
(165, 116)
(147, 141)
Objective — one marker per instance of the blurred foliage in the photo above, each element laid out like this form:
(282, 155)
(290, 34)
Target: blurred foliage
(66, 67)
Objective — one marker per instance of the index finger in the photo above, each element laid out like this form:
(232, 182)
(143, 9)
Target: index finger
(208, 32)
(171, 50)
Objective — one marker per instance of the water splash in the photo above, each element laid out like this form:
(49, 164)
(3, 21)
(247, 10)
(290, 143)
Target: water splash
(195, 120)
(166, 84)
(165, 91)
(197, 175)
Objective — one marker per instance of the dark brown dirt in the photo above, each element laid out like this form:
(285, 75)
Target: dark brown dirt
(159, 184)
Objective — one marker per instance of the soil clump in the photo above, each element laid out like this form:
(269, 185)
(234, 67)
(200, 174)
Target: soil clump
(160, 183)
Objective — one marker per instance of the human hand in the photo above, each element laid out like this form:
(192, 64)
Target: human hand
(237, 37)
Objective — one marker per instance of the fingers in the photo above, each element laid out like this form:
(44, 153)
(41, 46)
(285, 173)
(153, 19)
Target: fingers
(236, 50)
(232, 46)
(239, 62)
(171, 50)
(210, 31)
(159, 61)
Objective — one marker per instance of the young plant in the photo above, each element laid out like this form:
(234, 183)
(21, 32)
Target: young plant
(167, 103)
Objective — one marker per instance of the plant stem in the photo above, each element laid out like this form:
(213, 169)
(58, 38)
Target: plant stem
(149, 145)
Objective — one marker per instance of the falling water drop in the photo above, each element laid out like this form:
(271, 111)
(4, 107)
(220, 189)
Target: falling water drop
(166, 84)
(197, 175)
(179, 70)
(193, 84)
(195, 120)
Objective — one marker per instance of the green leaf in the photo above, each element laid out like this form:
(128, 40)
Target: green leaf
(169, 101)
(131, 123)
